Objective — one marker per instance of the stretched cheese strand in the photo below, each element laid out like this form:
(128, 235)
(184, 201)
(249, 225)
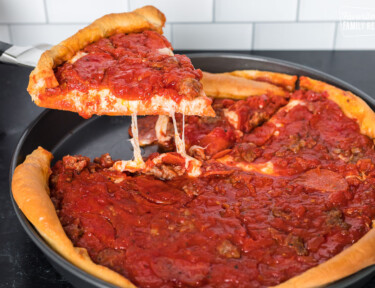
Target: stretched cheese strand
(191, 164)
(137, 163)
(180, 143)
(135, 141)
(161, 128)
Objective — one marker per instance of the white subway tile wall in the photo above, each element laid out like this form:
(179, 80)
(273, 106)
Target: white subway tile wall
(4, 33)
(206, 24)
(85, 11)
(363, 39)
(212, 36)
(22, 11)
(180, 10)
(336, 10)
(25, 35)
(295, 36)
(255, 10)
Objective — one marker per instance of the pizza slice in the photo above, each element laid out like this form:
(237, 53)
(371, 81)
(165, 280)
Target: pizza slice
(120, 65)
(318, 118)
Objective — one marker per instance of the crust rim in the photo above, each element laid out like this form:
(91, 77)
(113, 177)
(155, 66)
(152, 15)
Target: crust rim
(227, 85)
(352, 105)
(31, 193)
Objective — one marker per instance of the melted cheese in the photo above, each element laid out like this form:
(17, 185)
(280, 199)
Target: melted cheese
(165, 51)
(137, 163)
(180, 144)
(232, 118)
(292, 104)
(135, 141)
(77, 56)
(181, 149)
(161, 127)
(192, 165)
(262, 168)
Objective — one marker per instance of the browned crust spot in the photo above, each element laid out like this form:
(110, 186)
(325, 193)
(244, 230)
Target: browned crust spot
(352, 106)
(31, 193)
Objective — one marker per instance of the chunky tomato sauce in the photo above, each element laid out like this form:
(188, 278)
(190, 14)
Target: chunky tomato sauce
(228, 227)
(132, 66)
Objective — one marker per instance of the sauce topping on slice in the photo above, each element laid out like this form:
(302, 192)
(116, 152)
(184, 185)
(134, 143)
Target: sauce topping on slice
(132, 66)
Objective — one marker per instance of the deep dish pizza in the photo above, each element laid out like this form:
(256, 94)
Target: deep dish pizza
(284, 196)
(267, 185)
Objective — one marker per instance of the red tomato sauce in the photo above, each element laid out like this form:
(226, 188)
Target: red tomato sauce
(229, 228)
(131, 66)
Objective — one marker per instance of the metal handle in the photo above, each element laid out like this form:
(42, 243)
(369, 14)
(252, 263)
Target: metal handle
(20, 55)
(4, 47)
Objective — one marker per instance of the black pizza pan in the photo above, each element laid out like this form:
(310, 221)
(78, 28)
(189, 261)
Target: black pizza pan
(65, 133)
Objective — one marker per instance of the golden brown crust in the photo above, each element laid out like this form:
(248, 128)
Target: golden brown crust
(352, 106)
(285, 81)
(31, 193)
(43, 76)
(358, 256)
(223, 85)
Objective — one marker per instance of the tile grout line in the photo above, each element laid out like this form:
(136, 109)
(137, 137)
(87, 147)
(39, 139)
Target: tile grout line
(10, 34)
(128, 5)
(46, 11)
(335, 36)
(193, 23)
(213, 11)
(172, 34)
(252, 38)
(298, 7)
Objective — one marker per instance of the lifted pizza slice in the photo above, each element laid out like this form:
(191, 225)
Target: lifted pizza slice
(120, 65)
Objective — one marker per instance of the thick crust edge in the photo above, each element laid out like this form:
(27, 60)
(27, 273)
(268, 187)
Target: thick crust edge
(224, 85)
(31, 193)
(43, 76)
(358, 256)
(285, 81)
(352, 106)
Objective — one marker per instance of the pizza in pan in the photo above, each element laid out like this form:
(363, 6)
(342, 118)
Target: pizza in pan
(284, 195)
(268, 185)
